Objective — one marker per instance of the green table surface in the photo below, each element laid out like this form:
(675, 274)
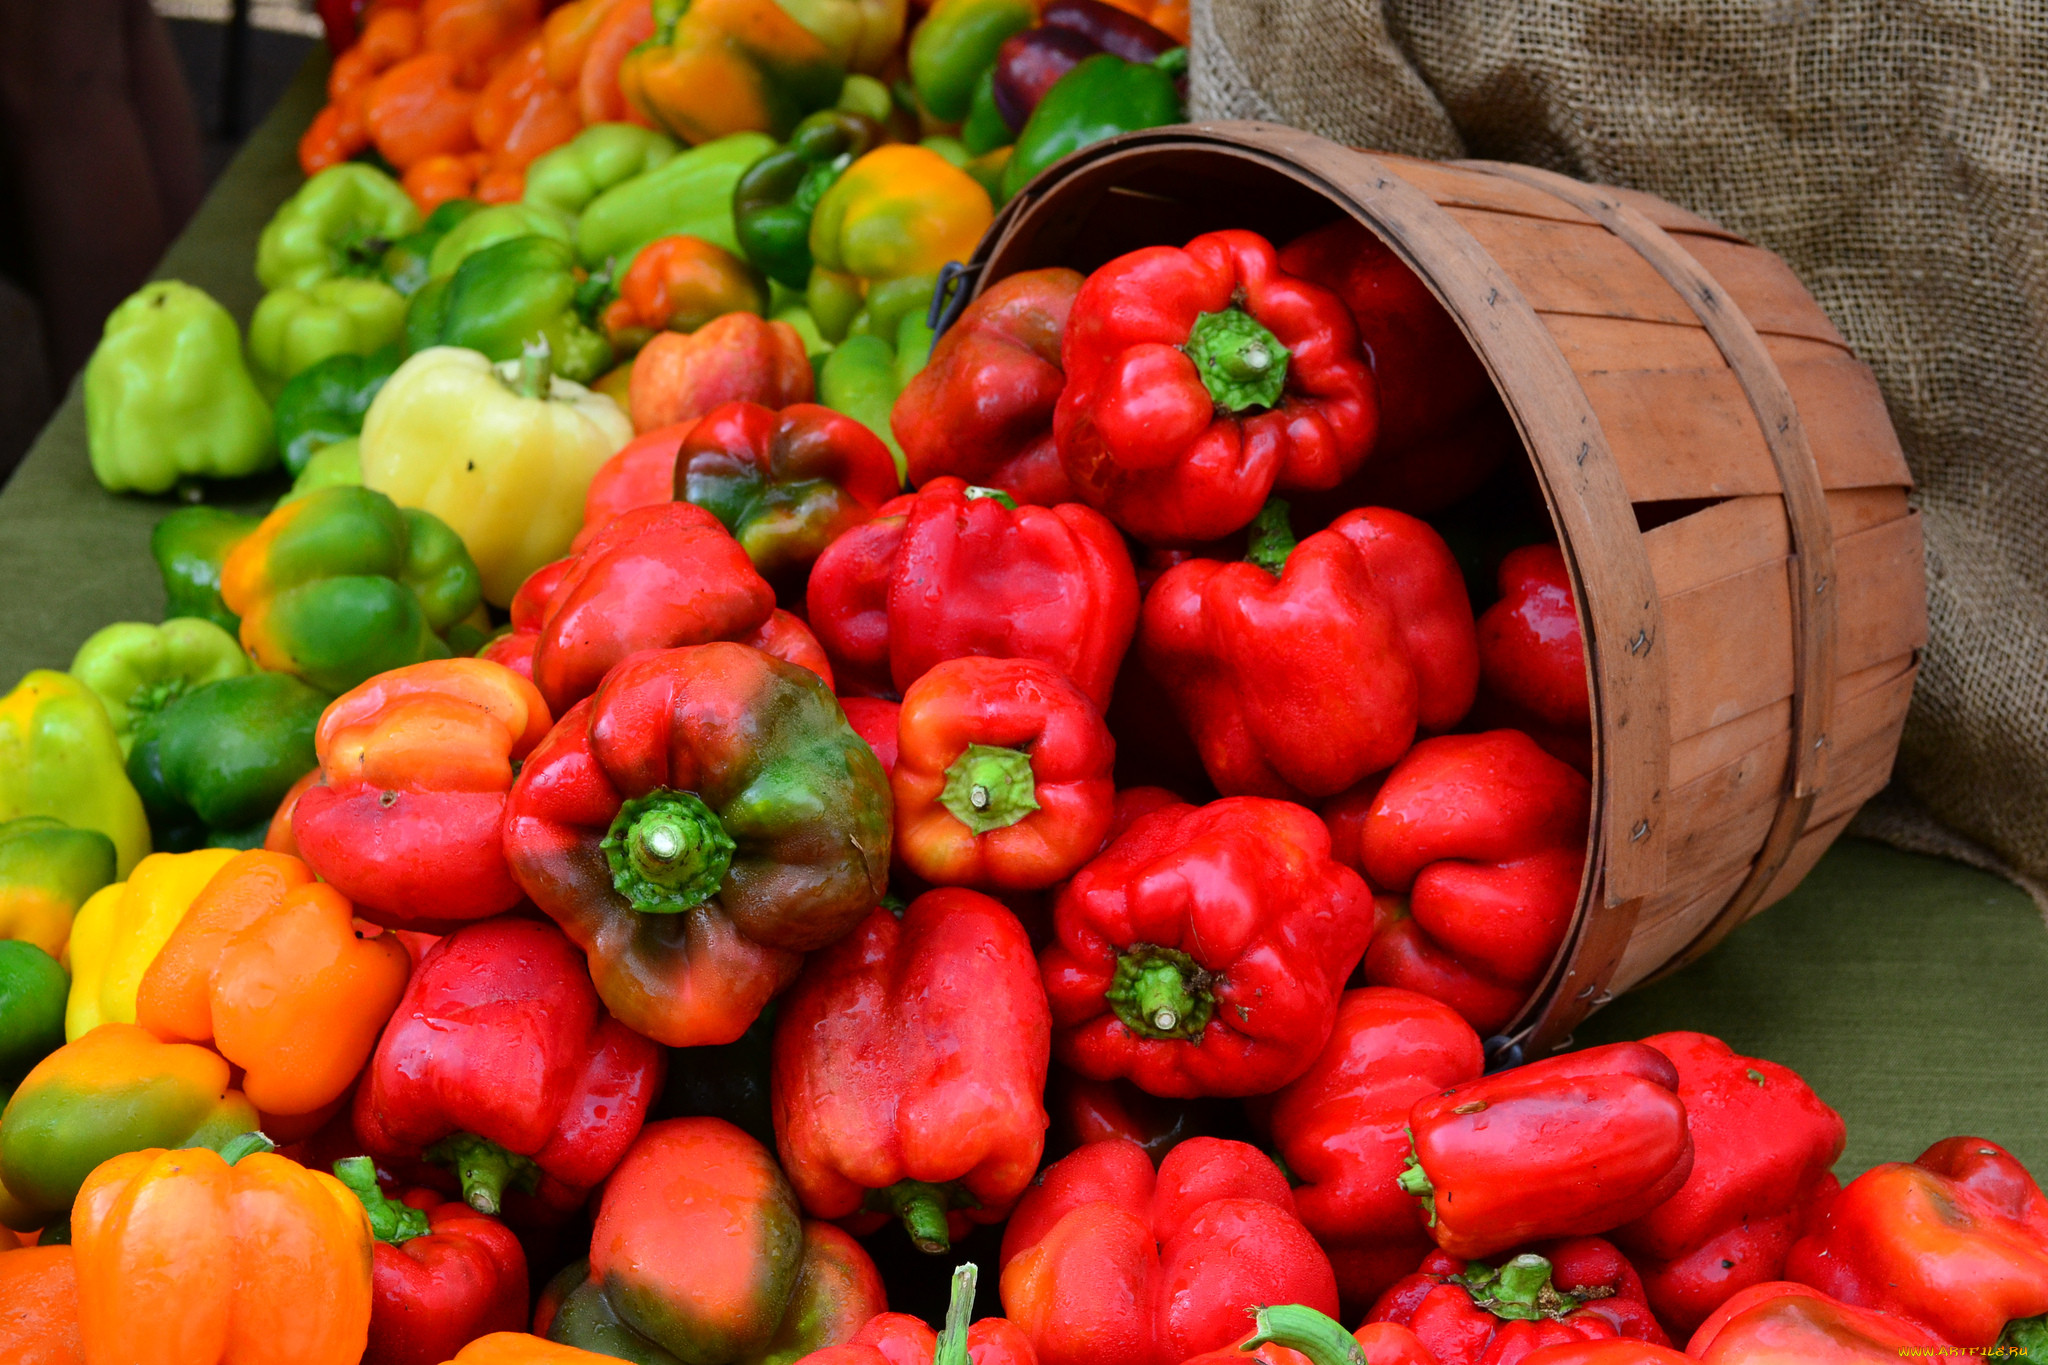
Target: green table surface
(1907, 989)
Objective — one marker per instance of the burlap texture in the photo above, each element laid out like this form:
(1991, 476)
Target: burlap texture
(1896, 154)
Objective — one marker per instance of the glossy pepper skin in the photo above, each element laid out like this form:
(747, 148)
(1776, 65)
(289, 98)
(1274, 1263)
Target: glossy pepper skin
(508, 296)
(718, 67)
(1783, 1321)
(703, 819)
(1069, 31)
(909, 1063)
(119, 931)
(1342, 1129)
(344, 584)
(39, 1306)
(1531, 656)
(231, 1261)
(501, 1062)
(60, 757)
(1307, 667)
(1485, 837)
(406, 816)
(212, 766)
(190, 545)
(1105, 1263)
(1473, 1313)
(441, 1274)
(1955, 1240)
(898, 211)
(167, 396)
(956, 44)
(32, 991)
(116, 1089)
(48, 870)
(982, 408)
(407, 263)
(494, 226)
(601, 156)
(736, 358)
(679, 284)
(1203, 952)
(701, 1254)
(1084, 1111)
(1102, 96)
(948, 571)
(1763, 1146)
(773, 202)
(690, 194)
(1199, 380)
(136, 669)
(294, 329)
(268, 969)
(325, 402)
(337, 225)
(890, 1338)
(1002, 779)
(1563, 1147)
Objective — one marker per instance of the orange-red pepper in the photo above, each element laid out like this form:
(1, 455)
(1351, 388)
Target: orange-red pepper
(679, 284)
(738, 358)
(389, 36)
(479, 34)
(522, 112)
(1780, 1321)
(39, 1307)
(445, 175)
(417, 110)
(566, 35)
(598, 97)
(337, 134)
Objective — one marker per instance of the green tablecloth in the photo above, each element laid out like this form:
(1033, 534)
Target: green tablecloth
(1907, 989)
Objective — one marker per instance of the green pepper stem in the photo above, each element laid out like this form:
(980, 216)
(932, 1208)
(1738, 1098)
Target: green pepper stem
(997, 495)
(1173, 61)
(668, 851)
(1520, 1290)
(1241, 364)
(485, 1169)
(952, 1347)
(1272, 537)
(245, 1144)
(1161, 993)
(1301, 1328)
(2026, 1339)
(922, 1208)
(390, 1220)
(536, 369)
(989, 788)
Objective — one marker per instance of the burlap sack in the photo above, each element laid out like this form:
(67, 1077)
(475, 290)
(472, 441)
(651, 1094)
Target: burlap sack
(1896, 154)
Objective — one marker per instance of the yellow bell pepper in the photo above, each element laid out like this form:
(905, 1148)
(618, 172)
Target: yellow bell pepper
(119, 932)
(900, 210)
(59, 756)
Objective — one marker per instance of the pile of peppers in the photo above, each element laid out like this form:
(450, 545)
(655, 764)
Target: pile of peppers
(714, 822)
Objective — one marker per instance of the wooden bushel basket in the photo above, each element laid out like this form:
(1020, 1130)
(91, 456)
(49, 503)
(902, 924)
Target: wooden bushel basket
(1752, 652)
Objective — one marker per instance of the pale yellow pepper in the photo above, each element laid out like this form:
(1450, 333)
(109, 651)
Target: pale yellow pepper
(59, 756)
(119, 932)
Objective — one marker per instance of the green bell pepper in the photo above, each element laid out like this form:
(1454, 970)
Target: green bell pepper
(47, 870)
(487, 228)
(325, 403)
(508, 295)
(212, 766)
(772, 203)
(59, 757)
(295, 329)
(32, 991)
(864, 375)
(189, 547)
(406, 262)
(340, 463)
(956, 44)
(167, 396)
(985, 128)
(689, 194)
(136, 669)
(340, 222)
(1102, 96)
(601, 156)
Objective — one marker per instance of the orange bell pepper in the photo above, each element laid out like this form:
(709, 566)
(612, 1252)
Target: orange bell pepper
(268, 968)
(479, 34)
(598, 97)
(337, 133)
(39, 1307)
(192, 1257)
(679, 284)
(417, 110)
(390, 36)
(444, 176)
(517, 1348)
(736, 358)
(521, 112)
(729, 66)
(501, 184)
(566, 35)
(278, 837)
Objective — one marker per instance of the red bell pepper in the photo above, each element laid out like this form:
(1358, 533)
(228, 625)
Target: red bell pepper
(696, 826)
(441, 1274)
(529, 608)
(1769, 1323)
(982, 406)
(900, 1339)
(1564, 1147)
(641, 474)
(1002, 779)
(1485, 835)
(1105, 1263)
(1295, 1334)
(1202, 378)
(950, 570)
(1085, 1111)
(1203, 952)
(406, 813)
(501, 1062)
(1307, 667)
(1956, 1241)
(1342, 1129)
(1469, 1313)
(1763, 1144)
(1532, 659)
(874, 720)
(909, 1066)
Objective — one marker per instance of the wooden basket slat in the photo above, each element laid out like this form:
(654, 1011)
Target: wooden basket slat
(1853, 441)
(1718, 684)
(1732, 536)
(1763, 287)
(1668, 921)
(1883, 607)
(1575, 268)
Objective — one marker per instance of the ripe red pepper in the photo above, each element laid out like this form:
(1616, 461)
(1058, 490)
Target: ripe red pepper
(529, 608)
(1295, 1334)
(641, 474)
(1307, 667)
(1773, 1322)
(950, 571)
(982, 406)
(696, 826)
(441, 1274)
(1485, 835)
(1085, 1111)
(900, 1339)
(1002, 779)
(1532, 660)
(1470, 1313)
(1763, 1145)
(1956, 1241)
(1342, 1129)
(501, 1062)
(1105, 1263)
(1202, 378)
(1564, 1147)
(874, 720)
(1203, 952)
(908, 1070)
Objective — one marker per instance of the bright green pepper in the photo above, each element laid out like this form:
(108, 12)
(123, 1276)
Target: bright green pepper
(499, 223)
(295, 329)
(599, 157)
(956, 44)
(189, 546)
(690, 194)
(325, 403)
(864, 375)
(59, 757)
(773, 202)
(889, 303)
(340, 222)
(1102, 96)
(508, 295)
(340, 463)
(343, 584)
(212, 766)
(167, 396)
(32, 992)
(136, 670)
(985, 128)
(47, 870)
(406, 264)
